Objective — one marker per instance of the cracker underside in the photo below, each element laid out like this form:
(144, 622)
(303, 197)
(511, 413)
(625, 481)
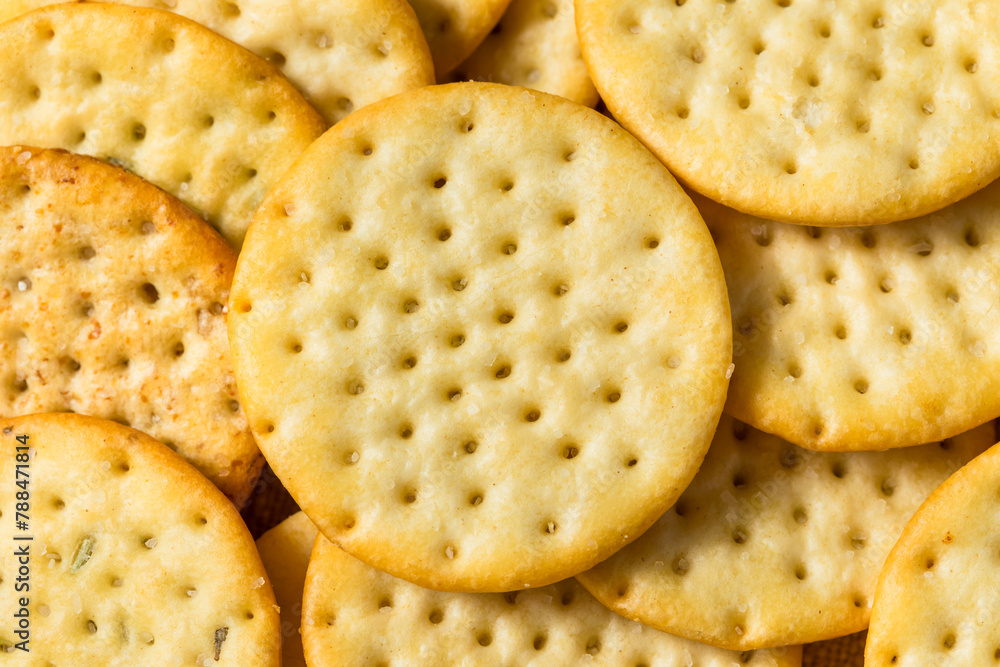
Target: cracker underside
(112, 299)
(341, 55)
(847, 113)
(135, 558)
(935, 603)
(535, 46)
(799, 535)
(354, 614)
(184, 108)
(477, 350)
(864, 338)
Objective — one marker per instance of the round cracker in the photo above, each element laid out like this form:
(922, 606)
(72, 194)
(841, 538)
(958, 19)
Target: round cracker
(186, 109)
(936, 601)
(341, 55)
(864, 338)
(112, 299)
(847, 113)
(454, 28)
(134, 557)
(354, 614)
(285, 550)
(534, 46)
(800, 535)
(478, 355)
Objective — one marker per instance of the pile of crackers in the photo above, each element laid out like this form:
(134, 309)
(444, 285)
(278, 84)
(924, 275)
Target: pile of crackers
(704, 376)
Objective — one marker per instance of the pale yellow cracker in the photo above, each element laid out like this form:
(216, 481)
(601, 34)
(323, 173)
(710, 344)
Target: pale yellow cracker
(534, 46)
(482, 336)
(864, 338)
(341, 54)
(134, 558)
(454, 28)
(355, 615)
(826, 113)
(772, 544)
(285, 550)
(937, 601)
(112, 303)
(159, 95)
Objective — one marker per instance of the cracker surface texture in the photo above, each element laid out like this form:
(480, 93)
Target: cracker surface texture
(482, 336)
(182, 107)
(864, 338)
(341, 55)
(112, 303)
(354, 614)
(454, 28)
(535, 46)
(846, 113)
(285, 550)
(135, 558)
(772, 544)
(937, 602)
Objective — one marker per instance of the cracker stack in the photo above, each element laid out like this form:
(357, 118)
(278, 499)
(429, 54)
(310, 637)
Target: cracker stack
(539, 402)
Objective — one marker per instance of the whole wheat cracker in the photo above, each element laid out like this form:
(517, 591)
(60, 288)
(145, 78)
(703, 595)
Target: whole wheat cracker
(112, 303)
(457, 365)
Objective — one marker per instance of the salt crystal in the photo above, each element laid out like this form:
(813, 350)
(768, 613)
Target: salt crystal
(323, 41)
(449, 552)
(729, 371)
(742, 608)
(465, 107)
(106, 465)
(23, 285)
(385, 47)
(191, 592)
(23, 157)
(289, 209)
(150, 543)
(978, 348)
(258, 582)
(77, 603)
